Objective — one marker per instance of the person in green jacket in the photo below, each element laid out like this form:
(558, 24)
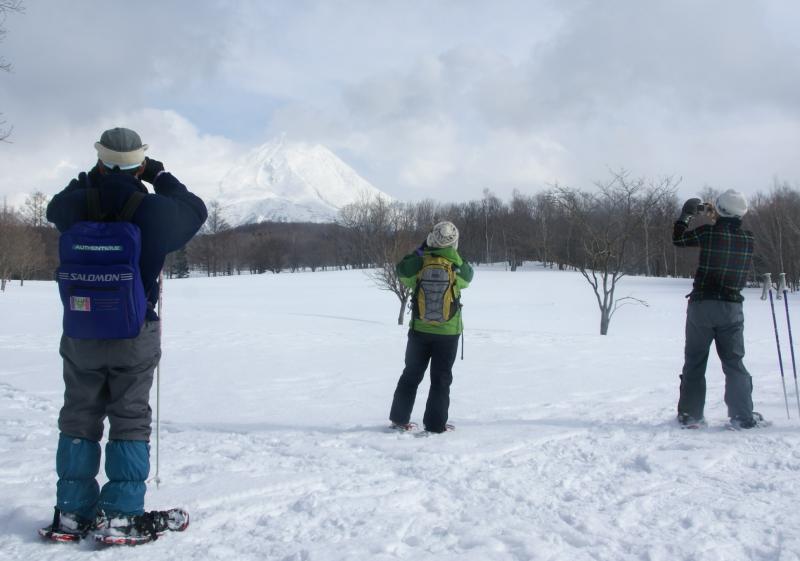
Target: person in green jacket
(437, 274)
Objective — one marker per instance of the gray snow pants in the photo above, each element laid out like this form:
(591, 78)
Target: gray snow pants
(109, 378)
(723, 323)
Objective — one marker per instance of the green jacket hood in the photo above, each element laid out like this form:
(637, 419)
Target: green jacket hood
(448, 253)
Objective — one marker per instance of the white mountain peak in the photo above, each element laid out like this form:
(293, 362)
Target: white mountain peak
(291, 181)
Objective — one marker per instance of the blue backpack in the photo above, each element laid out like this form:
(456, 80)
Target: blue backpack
(99, 278)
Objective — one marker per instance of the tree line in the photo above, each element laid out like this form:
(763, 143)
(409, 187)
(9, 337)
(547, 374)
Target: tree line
(28, 245)
(621, 226)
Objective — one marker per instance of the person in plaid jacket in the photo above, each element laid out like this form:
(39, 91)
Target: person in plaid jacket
(715, 312)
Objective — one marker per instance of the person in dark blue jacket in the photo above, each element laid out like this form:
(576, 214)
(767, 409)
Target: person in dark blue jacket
(111, 378)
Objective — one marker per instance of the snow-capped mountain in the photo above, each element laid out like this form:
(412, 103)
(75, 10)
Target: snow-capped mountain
(291, 182)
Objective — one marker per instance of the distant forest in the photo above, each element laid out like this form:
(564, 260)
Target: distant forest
(621, 226)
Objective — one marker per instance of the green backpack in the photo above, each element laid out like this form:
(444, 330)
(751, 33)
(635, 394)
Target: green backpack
(435, 301)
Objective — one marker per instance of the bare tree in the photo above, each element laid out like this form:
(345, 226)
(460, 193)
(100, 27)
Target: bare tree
(774, 221)
(6, 7)
(267, 253)
(355, 219)
(492, 210)
(543, 213)
(216, 222)
(386, 231)
(22, 249)
(653, 196)
(396, 241)
(28, 254)
(519, 230)
(8, 225)
(35, 210)
(606, 227)
(176, 264)
(207, 248)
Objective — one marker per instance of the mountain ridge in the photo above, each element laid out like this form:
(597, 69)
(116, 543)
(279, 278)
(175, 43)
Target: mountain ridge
(290, 181)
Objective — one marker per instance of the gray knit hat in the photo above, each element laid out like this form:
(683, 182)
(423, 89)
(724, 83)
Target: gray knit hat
(444, 234)
(120, 147)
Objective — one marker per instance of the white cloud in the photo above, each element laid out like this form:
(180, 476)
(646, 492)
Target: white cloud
(424, 99)
(48, 163)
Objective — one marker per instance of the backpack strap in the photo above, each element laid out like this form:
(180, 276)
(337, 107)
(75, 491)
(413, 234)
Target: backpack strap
(127, 212)
(96, 213)
(93, 200)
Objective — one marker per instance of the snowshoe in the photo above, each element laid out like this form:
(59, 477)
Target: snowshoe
(756, 420)
(403, 427)
(686, 421)
(141, 528)
(427, 432)
(66, 527)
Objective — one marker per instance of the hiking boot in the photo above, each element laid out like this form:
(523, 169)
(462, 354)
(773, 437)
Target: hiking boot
(140, 528)
(686, 421)
(747, 422)
(67, 527)
(403, 426)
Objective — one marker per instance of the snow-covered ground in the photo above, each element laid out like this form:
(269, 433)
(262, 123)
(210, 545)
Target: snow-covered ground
(275, 393)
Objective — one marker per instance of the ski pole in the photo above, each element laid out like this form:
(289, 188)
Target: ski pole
(157, 477)
(461, 325)
(782, 288)
(768, 290)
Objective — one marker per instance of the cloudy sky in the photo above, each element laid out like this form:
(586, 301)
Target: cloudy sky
(424, 98)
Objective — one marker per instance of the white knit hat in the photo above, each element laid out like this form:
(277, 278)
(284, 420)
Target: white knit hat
(444, 234)
(731, 203)
(121, 147)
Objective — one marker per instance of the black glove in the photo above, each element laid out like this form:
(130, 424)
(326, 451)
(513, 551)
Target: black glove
(691, 208)
(151, 170)
(422, 247)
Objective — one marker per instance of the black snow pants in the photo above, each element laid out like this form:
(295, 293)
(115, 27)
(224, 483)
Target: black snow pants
(423, 348)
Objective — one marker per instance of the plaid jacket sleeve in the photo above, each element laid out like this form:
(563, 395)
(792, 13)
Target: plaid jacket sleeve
(683, 237)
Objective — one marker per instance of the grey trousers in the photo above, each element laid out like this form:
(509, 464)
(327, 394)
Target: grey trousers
(723, 323)
(109, 378)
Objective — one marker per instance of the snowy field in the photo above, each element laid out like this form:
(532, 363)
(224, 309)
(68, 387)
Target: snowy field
(275, 393)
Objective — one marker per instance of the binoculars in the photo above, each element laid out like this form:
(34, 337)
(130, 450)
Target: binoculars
(704, 208)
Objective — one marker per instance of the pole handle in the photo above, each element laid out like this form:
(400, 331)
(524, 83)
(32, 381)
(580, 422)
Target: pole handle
(781, 285)
(766, 286)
